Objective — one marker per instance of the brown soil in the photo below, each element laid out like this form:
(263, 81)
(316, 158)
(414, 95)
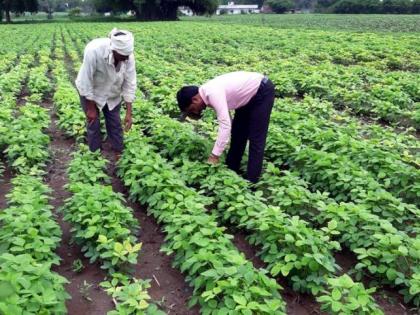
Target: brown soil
(168, 286)
(297, 304)
(86, 295)
(5, 185)
(387, 298)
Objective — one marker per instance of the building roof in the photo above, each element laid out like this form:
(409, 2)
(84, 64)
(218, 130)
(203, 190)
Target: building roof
(238, 6)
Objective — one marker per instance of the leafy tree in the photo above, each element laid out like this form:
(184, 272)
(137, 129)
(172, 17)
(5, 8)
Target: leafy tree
(156, 9)
(48, 6)
(357, 6)
(324, 5)
(416, 7)
(280, 6)
(17, 6)
(397, 6)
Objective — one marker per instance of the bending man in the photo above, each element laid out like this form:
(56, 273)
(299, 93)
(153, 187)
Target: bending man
(251, 95)
(107, 73)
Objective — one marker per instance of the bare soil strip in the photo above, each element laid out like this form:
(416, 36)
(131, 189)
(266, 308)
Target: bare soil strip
(168, 286)
(387, 298)
(86, 295)
(5, 185)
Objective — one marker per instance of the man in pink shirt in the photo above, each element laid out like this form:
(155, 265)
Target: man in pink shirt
(251, 95)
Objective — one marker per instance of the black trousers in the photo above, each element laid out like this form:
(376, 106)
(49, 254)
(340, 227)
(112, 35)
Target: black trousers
(113, 128)
(251, 123)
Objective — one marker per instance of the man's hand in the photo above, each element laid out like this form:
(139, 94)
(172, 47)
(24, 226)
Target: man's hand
(213, 159)
(128, 120)
(91, 111)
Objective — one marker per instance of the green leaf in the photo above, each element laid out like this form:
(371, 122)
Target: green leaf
(241, 300)
(336, 294)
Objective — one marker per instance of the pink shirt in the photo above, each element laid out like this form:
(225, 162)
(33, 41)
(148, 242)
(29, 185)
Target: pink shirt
(226, 92)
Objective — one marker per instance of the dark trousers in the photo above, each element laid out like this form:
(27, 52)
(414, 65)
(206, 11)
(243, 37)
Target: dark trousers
(251, 123)
(113, 128)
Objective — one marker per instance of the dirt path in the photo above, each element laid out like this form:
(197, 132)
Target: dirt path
(86, 296)
(168, 284)
(297, 304)
(387, 298)
(5, 185)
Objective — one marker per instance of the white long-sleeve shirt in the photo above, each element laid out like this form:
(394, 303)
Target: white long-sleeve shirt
(98, 79)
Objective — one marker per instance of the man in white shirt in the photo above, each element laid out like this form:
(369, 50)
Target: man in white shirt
(108, 73)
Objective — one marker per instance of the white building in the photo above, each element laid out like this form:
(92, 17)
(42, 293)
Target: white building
(232, 8)
(186, 11)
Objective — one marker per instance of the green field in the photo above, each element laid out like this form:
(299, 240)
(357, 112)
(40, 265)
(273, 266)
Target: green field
(344, 22)
(334, 218)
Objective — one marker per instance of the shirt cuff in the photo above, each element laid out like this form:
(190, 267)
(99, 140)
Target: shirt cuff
(129, 98)
(217, 150)
(87, 94)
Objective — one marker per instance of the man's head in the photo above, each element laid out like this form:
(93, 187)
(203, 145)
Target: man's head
(190, 102)
(122, 44)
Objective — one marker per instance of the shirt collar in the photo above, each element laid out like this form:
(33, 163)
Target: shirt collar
(108, 55)
(203, 95)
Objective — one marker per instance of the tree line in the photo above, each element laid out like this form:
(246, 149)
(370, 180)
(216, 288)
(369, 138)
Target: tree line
(369, 6)
(168, 9)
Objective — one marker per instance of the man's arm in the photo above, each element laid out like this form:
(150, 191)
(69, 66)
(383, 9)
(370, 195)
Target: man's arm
(129, 90)
(219, 104)
(130, 81)
(85, 84)
(128, 120)
(85, 76)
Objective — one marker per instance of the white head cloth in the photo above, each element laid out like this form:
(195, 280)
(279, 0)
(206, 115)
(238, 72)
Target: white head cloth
(122, 44)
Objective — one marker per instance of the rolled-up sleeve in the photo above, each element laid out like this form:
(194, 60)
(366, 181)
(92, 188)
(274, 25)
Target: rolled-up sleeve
(219, 103)
(84, 81)
(130, 81)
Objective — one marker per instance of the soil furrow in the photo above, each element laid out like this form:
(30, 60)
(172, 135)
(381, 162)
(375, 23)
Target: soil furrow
(86, 295)
(168, 286)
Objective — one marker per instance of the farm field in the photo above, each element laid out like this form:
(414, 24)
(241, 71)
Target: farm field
(331, 228)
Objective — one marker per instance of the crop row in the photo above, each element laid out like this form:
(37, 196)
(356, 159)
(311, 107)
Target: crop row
(361, 88)
(29, 236)
(231, 265)
(106, 230)
(66, 100)
(316, 131)
(101, 224)
(339, 176)
(224, 281)
(288, 244)
(390, 255)
(160, 86)
(29, 233)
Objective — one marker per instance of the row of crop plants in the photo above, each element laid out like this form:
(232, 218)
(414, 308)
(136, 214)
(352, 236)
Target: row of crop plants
(171, 136)
(104, 228)
(389, 170)
(307, 274)
(29, 233)
(389, 255)
(319, 132)
(389, 95)
(222, 278)
(390, 272)
(160, 86)
(367, 187)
